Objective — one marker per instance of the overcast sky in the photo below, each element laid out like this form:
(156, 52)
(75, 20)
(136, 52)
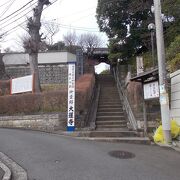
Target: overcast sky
(71, 15)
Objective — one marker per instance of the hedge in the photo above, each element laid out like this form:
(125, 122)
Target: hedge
(51, 101)
(4, 88)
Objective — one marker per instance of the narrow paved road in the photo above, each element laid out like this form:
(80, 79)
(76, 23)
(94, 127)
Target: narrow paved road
(53, 157)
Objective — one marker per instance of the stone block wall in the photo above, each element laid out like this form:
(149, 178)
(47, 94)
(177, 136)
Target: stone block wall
(43, 122)
(49, 74)
(14, 72)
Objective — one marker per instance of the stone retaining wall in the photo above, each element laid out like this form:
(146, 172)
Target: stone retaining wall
(48, 73)
(44, 122)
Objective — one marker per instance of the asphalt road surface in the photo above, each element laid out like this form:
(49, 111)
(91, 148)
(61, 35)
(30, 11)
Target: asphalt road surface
(54, 157)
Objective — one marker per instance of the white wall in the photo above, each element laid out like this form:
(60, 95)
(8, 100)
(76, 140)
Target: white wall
(175, 96)
(43, 58)
(15, 58)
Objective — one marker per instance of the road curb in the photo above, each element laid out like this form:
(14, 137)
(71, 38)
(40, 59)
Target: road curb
(18, 173)
(7, 172)
(172, 146)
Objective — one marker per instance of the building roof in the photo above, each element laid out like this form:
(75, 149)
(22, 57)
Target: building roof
(147, 76)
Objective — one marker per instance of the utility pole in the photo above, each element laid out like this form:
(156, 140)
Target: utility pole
(164, 100)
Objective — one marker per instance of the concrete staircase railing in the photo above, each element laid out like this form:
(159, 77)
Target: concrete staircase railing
(125, 101)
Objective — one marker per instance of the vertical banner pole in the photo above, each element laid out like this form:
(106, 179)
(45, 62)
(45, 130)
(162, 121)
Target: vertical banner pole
(71, 97)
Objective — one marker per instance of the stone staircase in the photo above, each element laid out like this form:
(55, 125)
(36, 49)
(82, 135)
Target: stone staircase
(110, 115)
(111, 122)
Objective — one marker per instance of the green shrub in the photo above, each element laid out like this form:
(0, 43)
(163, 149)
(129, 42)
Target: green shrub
(173, 55)
(48, 101)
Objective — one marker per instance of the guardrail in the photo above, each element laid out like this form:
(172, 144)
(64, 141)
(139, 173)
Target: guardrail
(125, 101)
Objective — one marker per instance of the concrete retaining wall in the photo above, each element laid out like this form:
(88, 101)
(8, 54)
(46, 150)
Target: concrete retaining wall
(44, 122)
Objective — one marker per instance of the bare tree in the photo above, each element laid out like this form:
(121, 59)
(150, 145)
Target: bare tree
(51, 29)
(89, 42)
(70, 40)
(34, 26)
(25, 41)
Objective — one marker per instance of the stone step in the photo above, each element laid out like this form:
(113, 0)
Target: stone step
(108, 96)
(115, 100)
(111, 122)
(119, 113)
(111, 127)
(110, 102)
(109, 91)
(132, 140)
(110, 109)
(112, 134)
(110, 118)
(112, 99)
(109, 106)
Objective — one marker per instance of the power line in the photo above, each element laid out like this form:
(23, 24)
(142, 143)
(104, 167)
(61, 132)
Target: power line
(16, 20)
(4, 4)
(64, 25)
(74, 27)
(18, 14)
(16, 10)
(9, 31)
(60, 25)
(5, 11)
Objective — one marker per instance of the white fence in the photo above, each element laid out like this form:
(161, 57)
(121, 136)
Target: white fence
(175, 96)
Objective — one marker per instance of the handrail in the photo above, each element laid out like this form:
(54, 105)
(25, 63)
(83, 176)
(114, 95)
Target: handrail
(125, 101)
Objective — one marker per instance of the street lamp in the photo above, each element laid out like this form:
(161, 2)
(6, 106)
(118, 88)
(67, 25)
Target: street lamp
(151, 28)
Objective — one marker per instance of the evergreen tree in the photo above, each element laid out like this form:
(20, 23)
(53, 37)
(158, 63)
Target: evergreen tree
(125, 22)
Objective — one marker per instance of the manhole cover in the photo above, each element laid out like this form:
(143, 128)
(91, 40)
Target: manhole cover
(121, 154)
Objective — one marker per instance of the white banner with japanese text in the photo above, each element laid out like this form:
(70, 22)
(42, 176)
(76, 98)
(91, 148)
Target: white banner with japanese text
(71, 97)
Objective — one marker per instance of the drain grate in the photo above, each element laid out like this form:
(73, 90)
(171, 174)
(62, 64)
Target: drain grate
(122, 154)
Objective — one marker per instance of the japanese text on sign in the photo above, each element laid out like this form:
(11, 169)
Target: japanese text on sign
(71, 97)
(151, 90)
(22, 84)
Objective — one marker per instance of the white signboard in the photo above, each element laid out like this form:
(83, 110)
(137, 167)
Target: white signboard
(71, 97)
(22, 84)
(151, 90)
